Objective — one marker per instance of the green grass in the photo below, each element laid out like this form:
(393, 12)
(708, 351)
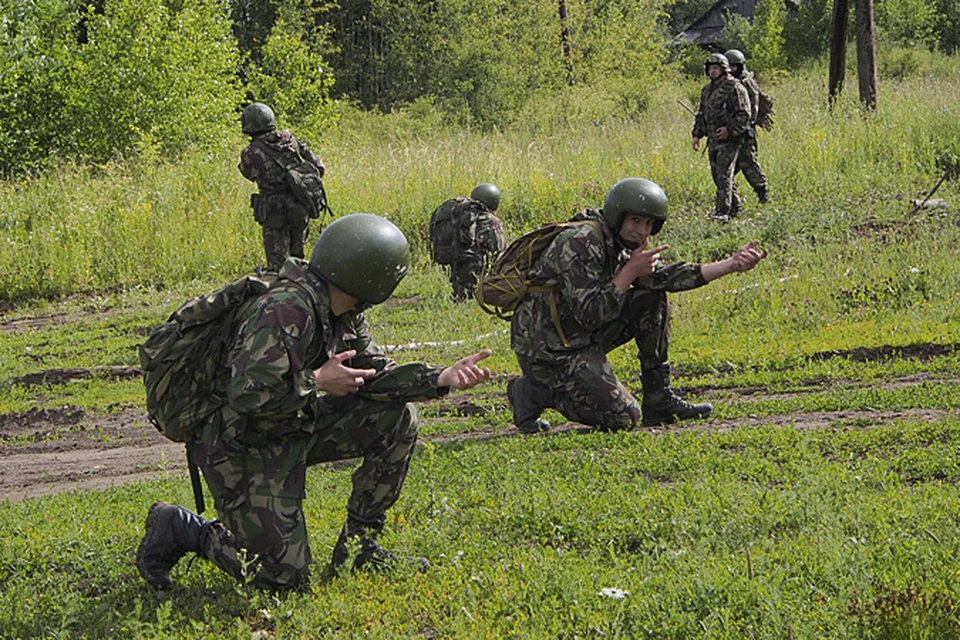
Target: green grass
(840, 527)
(759, 532)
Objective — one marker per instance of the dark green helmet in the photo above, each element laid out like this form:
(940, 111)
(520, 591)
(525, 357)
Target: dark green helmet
(363, 255)
(257, 118)
(717, 58)
(637, 196)
(487, 194)
(735, 56)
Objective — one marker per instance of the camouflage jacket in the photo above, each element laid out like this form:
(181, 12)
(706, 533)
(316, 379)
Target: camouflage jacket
(753, 92)
(723, 103)
(480, 234)
(581, 264)
(271, 178)
(283, 335)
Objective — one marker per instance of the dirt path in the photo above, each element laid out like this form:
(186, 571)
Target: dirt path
(54, 450)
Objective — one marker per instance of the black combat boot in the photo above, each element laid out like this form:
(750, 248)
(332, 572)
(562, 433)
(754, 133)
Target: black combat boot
(369, 554)
(661, 405)
(763, 195)
(172, 531)
(528, 399)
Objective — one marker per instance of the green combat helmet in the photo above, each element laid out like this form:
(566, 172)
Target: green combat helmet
(257, 118)
(637, 196)
(717, 58)
(735, 56)
(487, 194)
(363, 255)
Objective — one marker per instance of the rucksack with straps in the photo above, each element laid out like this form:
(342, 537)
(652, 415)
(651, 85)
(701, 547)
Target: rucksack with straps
(764, 111)
(182, 358)
(505, 284)
(302, 177)
(445, 231)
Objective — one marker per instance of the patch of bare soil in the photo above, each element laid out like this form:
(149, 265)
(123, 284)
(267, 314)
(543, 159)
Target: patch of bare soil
(51, 450)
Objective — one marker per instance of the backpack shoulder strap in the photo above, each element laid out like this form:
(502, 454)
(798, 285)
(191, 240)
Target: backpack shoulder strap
(288, 161)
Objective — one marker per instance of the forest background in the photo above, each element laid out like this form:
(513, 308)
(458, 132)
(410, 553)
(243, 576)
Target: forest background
(92, 81)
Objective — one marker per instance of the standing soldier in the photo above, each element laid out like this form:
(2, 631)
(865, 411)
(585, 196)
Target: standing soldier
(304, 383)
(723, 118)
(747, 161)
(267, 160)
(604, 287)
(467, 236)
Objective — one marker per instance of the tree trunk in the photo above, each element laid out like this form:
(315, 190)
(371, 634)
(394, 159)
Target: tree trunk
(565, 42)
(866, 55)
(838, 49)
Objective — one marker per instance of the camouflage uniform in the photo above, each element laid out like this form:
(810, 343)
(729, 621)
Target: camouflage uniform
(254, 453)
(747, 160)
(723, 103)
(480, 239)
(595, 318)
(284, 221)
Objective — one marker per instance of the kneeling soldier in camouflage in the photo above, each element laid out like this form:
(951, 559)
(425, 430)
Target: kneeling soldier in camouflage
(304, 383)
(606, 288)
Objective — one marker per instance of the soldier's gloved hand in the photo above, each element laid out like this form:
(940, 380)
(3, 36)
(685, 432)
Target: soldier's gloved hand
(465, 373)
(338, 379)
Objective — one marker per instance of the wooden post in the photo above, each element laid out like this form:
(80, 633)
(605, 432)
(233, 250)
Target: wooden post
(838, 48)
(866, 55)
(565, 42)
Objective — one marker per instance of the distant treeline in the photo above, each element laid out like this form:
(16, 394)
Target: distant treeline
(91, 80)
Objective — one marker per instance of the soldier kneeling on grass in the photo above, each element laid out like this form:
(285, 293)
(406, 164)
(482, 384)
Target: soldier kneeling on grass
(305, 383)
(609, 288)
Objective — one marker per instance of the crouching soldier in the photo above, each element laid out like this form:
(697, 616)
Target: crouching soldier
(304, 383)
(608, 288)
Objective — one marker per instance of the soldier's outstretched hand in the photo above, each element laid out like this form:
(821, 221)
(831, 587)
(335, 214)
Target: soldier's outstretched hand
(748, 256)
(338, 379)
(465, 373)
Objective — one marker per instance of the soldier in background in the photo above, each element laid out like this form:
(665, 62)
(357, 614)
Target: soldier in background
(723, 118)
(466, 235)
(305, 384)
(747, 160)
(284, 219)
(608, 288)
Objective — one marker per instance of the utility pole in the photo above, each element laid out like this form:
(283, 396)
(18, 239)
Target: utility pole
(866, 55)
(565, 42)
(838, 48)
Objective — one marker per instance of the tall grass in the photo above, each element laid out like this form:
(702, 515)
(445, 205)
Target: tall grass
(147, 222)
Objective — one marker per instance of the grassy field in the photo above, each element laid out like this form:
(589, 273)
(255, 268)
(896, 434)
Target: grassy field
(820, 500)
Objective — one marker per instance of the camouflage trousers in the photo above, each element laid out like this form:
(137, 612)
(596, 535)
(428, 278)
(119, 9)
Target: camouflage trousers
(749, 164)
(584, 387)
(285, 225)
(463, 277)
(723, 164)
(258, 484)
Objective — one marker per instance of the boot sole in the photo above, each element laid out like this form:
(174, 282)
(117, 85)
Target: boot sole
(152, 516)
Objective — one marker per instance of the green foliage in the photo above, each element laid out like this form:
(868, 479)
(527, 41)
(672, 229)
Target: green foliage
(141, 75)
(907, 22)
(293, 79)
(948, 26)
(151, 72)
(766, 38)
(807, 33)
(485, 61)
